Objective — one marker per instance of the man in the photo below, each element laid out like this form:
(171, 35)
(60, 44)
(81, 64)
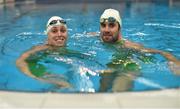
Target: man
(56, 30)
(110, 32)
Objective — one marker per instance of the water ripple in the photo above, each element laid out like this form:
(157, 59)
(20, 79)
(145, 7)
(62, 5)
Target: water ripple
(139, 34)
(162, 25)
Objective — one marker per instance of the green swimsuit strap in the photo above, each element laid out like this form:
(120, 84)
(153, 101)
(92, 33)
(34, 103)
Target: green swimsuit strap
(121, 42)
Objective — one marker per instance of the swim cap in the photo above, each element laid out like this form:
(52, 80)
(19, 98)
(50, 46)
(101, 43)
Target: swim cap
(58, 22)
(111, 13)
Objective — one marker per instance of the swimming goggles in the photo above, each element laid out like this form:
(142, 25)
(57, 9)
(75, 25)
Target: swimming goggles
(109, 19)
(53, 22)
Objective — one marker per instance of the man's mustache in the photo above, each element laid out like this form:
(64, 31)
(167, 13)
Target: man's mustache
(107, 34)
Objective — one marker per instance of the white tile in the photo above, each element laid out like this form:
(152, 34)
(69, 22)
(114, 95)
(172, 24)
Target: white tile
(81, 101)
(13, 99)
(150, 99)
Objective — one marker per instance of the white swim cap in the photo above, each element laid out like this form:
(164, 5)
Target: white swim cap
(111, 13)
(54, 21)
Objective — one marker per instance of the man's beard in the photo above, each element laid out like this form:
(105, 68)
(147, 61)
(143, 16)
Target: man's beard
(113, 39)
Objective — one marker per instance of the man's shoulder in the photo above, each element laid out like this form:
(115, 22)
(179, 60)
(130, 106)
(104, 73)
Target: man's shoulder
(121, 42)
(134, 45)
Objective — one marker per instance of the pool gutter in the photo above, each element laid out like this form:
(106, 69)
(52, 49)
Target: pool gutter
(148, 99)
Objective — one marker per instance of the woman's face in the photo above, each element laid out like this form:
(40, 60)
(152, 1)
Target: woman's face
(57, 36)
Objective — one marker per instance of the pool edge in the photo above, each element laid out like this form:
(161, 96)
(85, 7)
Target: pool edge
(150, 99)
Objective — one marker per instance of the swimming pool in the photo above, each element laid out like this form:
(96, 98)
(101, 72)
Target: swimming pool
(23, 27)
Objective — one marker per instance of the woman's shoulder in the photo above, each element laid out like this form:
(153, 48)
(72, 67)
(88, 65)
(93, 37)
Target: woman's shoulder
(40, 47)
(36, 49)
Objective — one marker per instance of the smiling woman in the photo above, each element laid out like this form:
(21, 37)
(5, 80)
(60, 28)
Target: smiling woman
(57, 36)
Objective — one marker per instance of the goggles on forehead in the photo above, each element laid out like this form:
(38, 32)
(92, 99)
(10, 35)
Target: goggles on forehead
(53, 22)
(109, 19)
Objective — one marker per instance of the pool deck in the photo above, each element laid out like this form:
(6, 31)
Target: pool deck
(150, 99)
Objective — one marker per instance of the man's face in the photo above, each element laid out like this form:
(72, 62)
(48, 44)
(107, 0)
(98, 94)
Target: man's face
(109, 31)
(57, 36)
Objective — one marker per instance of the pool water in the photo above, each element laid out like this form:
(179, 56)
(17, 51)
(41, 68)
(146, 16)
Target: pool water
(152, 24)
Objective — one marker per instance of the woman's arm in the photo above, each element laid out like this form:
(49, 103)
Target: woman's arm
(23, 66)
(21, 61)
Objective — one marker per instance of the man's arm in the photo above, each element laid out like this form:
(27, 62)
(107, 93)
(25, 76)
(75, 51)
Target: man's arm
(174, 63)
